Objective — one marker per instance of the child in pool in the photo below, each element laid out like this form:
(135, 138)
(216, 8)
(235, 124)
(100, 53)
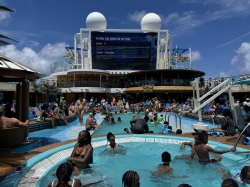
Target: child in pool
(112, 144)
(164, 167)
(126, 131)
(119, 119)
(203, 150)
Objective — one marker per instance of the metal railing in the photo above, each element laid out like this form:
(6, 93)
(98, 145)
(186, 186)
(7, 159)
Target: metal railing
(176, 116)
(238, 139)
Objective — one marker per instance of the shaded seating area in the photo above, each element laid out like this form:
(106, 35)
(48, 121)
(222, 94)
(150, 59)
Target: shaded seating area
(12, 71)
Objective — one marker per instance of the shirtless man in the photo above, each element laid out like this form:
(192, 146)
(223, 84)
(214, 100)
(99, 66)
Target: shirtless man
(164, 167)
(90, 123)
(6, 123)
(80, 107)
(203, 151)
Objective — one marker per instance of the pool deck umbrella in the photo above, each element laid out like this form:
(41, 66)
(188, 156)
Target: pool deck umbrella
(12, 71)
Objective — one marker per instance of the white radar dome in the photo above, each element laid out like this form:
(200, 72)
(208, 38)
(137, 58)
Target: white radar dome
(96, 20)
(151, 21)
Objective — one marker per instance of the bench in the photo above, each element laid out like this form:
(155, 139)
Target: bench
(11, 136)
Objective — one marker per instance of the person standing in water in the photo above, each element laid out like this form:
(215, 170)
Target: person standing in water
(82, 154)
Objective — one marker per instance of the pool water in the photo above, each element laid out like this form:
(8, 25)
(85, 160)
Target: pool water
(156, 128)
(144, 157)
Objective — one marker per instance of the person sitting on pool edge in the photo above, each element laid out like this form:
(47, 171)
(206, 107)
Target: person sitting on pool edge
(63, 173)
(228, 126)
(164, 167)
(203, 151)
(82, 154)
(130, 179)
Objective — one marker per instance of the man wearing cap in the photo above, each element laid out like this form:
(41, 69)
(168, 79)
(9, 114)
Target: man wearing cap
(91, 123)
(247, 102)
(6, 123)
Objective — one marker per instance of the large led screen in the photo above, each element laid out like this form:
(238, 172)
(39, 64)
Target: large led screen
(124, 51)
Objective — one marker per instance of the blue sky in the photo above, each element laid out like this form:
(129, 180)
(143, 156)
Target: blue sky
(217, 30)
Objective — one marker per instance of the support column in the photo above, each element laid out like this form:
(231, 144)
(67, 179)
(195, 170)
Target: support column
(74, 85)
(25, 100)
(161, 79)
(18, 101)
(100, 80)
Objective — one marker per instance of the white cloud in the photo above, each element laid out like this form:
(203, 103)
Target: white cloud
(195, 56)
(223, 74)
(136, 16)
(182, 22)
(41, 60)
(242, 58)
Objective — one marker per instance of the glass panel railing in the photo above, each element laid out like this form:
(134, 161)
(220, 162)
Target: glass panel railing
(138, 83)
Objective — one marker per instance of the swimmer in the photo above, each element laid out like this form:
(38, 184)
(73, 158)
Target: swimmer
(112, 144)
(125, 131)
(164, 167)
(203, 151)
(112, 121)
(178, 131)
(63, 173)
(242, 176)
(229, 183)
(131, 179)
(119, 119)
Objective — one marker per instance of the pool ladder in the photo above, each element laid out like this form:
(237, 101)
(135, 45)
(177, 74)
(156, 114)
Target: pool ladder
(237, 141)
(176, 116)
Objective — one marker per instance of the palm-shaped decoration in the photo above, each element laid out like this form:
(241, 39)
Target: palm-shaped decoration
(49, 87)
(37, 88)
(2, 42)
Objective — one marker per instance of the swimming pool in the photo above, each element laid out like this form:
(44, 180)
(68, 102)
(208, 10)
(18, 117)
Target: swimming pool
(119, 126)
(143, 155)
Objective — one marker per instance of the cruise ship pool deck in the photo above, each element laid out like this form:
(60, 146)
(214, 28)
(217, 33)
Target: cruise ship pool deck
(64, 137)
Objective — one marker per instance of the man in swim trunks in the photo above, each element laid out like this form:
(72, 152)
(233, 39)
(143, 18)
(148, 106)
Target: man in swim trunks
(203, 150)
(90, 125)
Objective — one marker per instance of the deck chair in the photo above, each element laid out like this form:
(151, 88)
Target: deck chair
(168, 105)
(31, 117)
(239, 118)
(36, 110)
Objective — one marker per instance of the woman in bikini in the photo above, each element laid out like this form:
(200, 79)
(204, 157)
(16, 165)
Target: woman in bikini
(82, 154)
(44, 115)
(80, 106)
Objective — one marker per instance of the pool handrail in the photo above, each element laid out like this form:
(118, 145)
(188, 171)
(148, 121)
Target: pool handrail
(176, 115)
(238, 139)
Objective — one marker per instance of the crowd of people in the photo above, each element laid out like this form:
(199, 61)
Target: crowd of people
(82, 156)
